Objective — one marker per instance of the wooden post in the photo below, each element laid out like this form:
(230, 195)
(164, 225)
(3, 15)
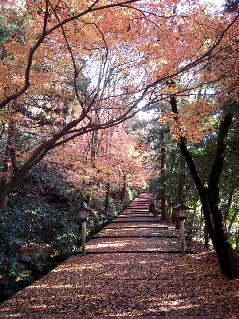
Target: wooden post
(181, 215)
(154, 200)
(150, 203)
(83, 237)
(182, 237)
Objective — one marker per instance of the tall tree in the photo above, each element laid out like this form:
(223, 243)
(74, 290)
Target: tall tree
(163, 174)
(209, 195)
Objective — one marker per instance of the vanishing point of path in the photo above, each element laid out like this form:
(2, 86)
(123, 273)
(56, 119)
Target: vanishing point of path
(132, 268)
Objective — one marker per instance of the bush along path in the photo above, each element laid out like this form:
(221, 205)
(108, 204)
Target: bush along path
(133, 267)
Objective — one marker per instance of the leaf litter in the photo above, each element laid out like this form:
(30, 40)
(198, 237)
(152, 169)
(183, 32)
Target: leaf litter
(127, 284)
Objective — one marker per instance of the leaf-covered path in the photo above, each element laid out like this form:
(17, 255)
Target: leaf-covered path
(132, 268)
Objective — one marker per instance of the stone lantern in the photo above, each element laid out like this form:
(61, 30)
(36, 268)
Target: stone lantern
(181, 211)
(82, 215)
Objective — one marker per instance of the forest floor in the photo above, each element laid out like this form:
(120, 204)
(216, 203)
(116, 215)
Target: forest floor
(128, 273)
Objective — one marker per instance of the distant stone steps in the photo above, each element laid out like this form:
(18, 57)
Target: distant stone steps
(135, 230)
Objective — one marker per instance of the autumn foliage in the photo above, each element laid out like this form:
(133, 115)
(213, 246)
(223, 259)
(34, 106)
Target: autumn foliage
(109, 157)
(74, 68)
(71, 71)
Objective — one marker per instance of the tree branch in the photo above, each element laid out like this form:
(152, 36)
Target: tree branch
(46, 33)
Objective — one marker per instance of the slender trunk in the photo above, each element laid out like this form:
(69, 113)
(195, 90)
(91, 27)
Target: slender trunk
(229, 203)
(88, 200)
(94, 141)
(201, 221)
(192, 223)
(107, 195)
(181, 179)
(65, 115)
(163, 174)
(5, 180)
(232, 221)
(237, 240)
(9, 162)
(206, 238)
(123, 191)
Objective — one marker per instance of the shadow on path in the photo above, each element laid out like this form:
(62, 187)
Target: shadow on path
(144, 282)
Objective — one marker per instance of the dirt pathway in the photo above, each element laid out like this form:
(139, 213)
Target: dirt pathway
(132, 268)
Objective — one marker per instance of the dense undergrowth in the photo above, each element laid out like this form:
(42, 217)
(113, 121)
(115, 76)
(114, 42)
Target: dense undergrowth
(39, 229)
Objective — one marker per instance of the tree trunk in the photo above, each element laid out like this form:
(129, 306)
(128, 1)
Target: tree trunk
(181, 179)
(107, 195)
(237, 240)
(94, 141)
(206, 238)
(123, 190)
(232, 220)
(210, 197)
(9, 162)
(181, 182)
(5, 180)
(163, 173)
(229, 203)
(233, 217)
